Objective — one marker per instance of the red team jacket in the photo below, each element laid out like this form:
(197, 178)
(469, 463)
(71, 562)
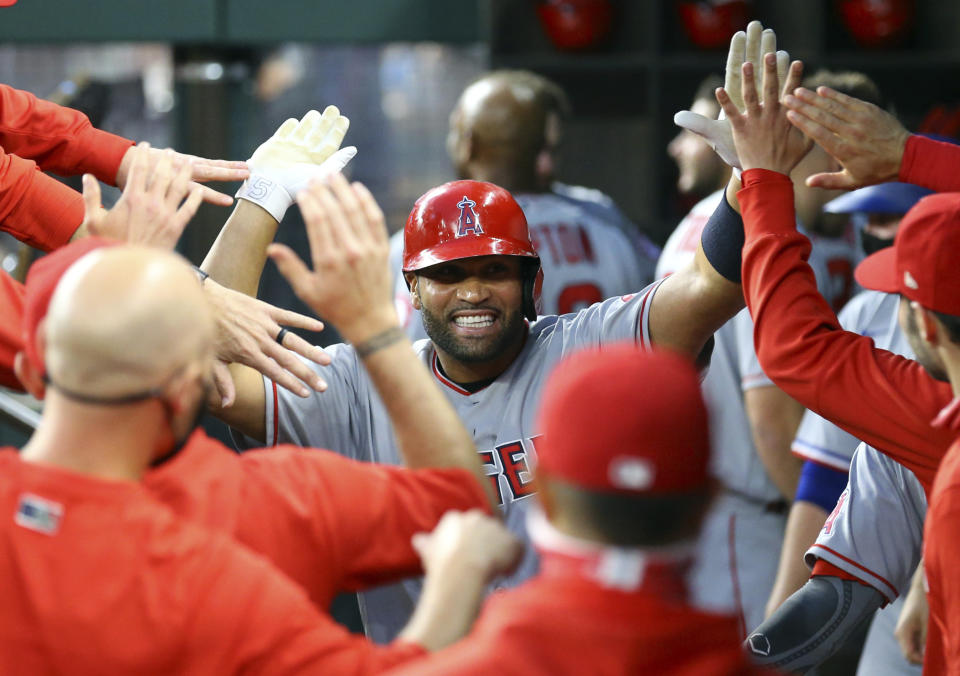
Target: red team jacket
(100, 578)
(886, 400)
(563, 622)
(37, 134)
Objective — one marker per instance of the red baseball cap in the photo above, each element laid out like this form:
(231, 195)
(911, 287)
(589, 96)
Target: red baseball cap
(924, 262)
(625, 420)
(42, 280)
(7, 3)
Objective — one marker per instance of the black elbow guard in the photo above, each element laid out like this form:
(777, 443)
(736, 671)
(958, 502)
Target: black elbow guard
(812, 624)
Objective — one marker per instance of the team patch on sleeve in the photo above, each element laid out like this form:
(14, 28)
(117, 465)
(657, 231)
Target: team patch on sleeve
(38, 514)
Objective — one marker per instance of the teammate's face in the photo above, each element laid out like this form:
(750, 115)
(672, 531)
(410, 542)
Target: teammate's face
(701, 170)
(472, 308)
(925, 354)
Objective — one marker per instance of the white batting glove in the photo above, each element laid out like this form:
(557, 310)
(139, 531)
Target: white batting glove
(750, 46)
(299, 152)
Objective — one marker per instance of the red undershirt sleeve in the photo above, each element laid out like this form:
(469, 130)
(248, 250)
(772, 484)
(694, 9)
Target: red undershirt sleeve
(931, 164)
(34, 207)
(58, 139)
(884, 399)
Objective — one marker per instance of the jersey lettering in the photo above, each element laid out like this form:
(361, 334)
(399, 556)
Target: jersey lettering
(487, 460)
(468, 218)
(509, 461)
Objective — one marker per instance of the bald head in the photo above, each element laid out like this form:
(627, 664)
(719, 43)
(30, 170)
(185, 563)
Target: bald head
(500, 126)
(124, 320)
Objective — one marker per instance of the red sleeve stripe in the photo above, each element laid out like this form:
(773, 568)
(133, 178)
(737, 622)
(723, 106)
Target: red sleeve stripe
(871, 578)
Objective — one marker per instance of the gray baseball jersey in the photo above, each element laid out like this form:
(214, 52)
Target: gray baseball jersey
(869, 313)
(350, 418)
(585, 257)
(875, 532)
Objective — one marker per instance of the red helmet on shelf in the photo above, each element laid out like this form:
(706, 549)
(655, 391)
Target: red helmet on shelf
(466, 219)
(877, 23)
(575, 24)
(711, 23)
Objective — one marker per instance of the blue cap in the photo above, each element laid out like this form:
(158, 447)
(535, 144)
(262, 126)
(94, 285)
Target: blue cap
(883, 198)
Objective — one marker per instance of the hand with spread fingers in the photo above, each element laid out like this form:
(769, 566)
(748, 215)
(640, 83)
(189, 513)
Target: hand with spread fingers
(201, 170)
(751, 46)
(247, 333)
(158, 201)
(350, 284)
(298, 153)
(867, 141)
(764, 137)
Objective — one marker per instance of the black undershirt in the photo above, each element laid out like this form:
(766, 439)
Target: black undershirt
(473, 387)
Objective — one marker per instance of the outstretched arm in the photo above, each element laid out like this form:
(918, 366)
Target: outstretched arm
(875, 395)
(870, 144)
(693, 303)
(63, 141)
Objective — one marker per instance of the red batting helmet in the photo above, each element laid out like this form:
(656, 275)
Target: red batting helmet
(466, 219)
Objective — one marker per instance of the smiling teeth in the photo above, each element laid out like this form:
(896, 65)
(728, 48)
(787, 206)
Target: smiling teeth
(474, 321)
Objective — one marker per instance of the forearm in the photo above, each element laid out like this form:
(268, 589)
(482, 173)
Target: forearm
(34, 207)
(428, 430)
(931, 164)
(447, 609)
(774, 418)
(812, 624)
(803, 525)
(690, 305)
(59, 139)
(239, 253)
(875, 395)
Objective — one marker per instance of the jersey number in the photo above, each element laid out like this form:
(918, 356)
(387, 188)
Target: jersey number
(578, 296)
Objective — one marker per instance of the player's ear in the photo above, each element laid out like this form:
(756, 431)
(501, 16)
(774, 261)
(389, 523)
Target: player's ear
(414, 283)
(929, 326)
(28, 375)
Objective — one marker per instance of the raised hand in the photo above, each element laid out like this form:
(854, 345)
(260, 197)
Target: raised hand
(247, 331)
(298, 153)
(468, 541)
(158, 201)
(750, 46)
(350, 284)
(764, 137)
(867, 141)
(201, 170)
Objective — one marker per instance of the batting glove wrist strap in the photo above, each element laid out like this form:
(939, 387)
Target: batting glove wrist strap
(267, 194)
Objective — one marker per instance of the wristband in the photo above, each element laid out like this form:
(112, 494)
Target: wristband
(267, 194)
(379, 341)
(722, 240)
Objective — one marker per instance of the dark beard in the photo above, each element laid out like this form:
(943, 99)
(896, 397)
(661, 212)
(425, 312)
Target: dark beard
(439, 332)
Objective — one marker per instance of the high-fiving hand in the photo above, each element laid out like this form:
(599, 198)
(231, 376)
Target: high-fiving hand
(867, 141)
(298, 153)
(350, 284)
(158, 201)
(763, 135)
(201, 170)
(751, 47)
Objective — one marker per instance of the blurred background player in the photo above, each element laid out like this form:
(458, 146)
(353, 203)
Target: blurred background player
(506, 129)
(621, 499)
